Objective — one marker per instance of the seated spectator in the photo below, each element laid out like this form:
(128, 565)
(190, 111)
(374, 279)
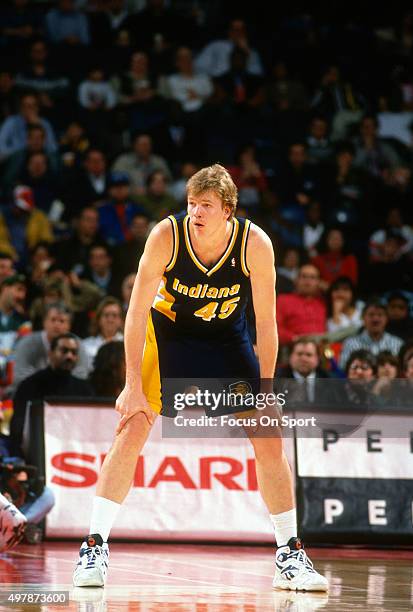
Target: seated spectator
(249, 178)
(35, 143)
(319, 148)
(126, 256)
(392, 271)
(313, 228)
(73, 145)
(373, 154)
(97, 98)
(178, 188)
(157, 202)
(288, 271)
(56, 379)
(303, 312)
(115, 215)
(394, 223)
(141, 163)
(333, 260)
(215, 58)
(86, 186)
(373, 338)
(38, 175)
(397, 190)
(22, 226)
(187, 87)
(107, 326)
(14, 323)
(72, 254)
(400, 323)
(343, 310)
(387, 388)
(20, 22)
(126, 290)
(66, 25)
(284, 93)
(52, 88)
(6, 266)
(32, 351)
(360, 370)
(13, 132)
(108, 375)
(304, 368)
(99, 269)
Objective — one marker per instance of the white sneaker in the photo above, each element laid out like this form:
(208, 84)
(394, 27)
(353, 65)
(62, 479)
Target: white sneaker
(92, 566)
(294, 570)
(12, 524)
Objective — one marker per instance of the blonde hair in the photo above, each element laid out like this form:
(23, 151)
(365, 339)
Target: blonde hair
(217, 179)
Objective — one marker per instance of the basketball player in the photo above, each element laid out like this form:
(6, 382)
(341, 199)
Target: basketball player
(186, 319)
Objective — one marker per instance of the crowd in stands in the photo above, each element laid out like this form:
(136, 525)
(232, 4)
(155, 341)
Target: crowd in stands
(107, 107)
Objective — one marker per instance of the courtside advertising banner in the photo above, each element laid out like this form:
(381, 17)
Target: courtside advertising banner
(202, 488)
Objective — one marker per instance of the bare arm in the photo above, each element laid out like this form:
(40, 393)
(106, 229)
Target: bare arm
(157, 254)
(260, 261)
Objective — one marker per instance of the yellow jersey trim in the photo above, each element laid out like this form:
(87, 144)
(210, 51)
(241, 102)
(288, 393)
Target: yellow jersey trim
(221, 261)
(244, 247)
(176, 243)
(164, 301)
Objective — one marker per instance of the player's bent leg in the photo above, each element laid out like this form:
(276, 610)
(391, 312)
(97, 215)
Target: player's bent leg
(113, 485)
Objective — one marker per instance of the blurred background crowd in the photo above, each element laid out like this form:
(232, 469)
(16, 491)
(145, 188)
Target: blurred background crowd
(107, 107)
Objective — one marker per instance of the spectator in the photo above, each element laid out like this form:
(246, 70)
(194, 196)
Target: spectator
(73, 253)
(249, 178)
(187, 87)
(285, 93)
(127, 287)
(19, 23)
(157, 202)
(394, 223)
(288, 271)
(214, 59)
(13, 322)
(32, 351)
(115, 216)
(141, 163)
(374, 338)
(39, 177)
(319, 147)
(56, 379)
(35, 143)
(126, 255)
(178, 187)
(99, 269)
(296, 183)
(87, 186)
(343, 310)
(13, 132)
(400, 322)
(313, 228)
(96, 98)
(107, 326)
(108, 375)
(392, 271)
(117, 11)
(8, 94)
(22, 226)
(333, 260)
(66, 25)
(373, 154)
(304, 368)
(73, 145)
(303, 312)
(52, 88)
(6, 266)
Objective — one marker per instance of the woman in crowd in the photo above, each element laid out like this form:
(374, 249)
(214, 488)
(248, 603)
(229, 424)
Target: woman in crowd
(107, 326)
(333, 260)
(344, 311)
(108, 375)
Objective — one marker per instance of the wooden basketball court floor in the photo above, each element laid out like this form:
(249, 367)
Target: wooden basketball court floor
(208, 578)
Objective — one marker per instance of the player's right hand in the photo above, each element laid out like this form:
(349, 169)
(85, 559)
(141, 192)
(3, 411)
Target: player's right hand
(130, 402)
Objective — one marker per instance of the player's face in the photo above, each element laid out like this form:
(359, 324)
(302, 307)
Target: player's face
(206, 213)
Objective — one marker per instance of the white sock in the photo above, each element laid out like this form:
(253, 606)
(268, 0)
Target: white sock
(104, 513)
(285, 526)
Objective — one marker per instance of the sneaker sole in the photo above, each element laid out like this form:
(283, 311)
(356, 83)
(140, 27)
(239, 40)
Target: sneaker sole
(287, 586)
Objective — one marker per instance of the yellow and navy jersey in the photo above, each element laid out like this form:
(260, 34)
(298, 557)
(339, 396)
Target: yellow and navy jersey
(201, 301)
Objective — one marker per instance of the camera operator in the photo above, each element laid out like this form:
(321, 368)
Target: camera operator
(25, 491)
